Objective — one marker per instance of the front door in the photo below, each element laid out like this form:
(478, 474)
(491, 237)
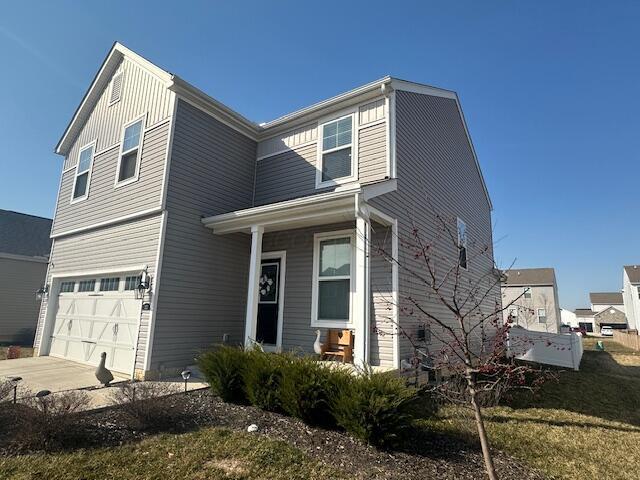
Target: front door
(270, 289)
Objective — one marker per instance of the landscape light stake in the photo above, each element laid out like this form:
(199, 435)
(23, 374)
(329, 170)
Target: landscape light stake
(15, 381)
(186, 374)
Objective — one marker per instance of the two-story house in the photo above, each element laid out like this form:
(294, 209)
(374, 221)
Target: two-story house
(631, 294)
(530, 296)
(180, 223)
(608, 310)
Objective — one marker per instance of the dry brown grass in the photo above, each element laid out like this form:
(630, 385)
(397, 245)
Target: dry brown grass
(585, 426)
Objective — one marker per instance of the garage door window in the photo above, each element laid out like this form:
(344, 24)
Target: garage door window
(67, 287)
(87, 286)
(109, 284)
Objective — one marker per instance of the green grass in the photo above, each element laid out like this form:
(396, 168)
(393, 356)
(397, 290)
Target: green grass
(24, 352)
(586, 425)
(210, 453)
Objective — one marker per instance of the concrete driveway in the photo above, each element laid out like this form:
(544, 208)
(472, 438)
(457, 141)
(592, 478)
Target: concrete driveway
(50, 373)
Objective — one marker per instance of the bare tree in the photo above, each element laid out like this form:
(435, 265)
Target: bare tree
(455, 302)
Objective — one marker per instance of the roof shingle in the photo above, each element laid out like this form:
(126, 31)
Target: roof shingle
(530, 276)
(633, 272)
(606, 298)
(22, 234)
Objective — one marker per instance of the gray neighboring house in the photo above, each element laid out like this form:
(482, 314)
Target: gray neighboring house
(534, 294)
(24, 253)
(608, 310)
(180, 224)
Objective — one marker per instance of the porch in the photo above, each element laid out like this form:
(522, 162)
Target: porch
(311, 269)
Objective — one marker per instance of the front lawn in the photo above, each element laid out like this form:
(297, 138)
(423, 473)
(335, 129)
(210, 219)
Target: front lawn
(587, 425)
(210, 453)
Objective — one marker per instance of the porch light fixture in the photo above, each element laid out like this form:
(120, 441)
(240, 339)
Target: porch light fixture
(143, 286)
(42, 292)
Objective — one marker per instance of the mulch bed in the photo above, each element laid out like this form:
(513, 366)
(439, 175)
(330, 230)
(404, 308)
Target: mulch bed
(430, 456)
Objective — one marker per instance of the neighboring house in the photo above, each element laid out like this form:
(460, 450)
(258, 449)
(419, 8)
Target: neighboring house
(181, 224)
(533, 293)
(585, 318)
(24, 253)
(631, 294)
(608, 309)
(567, 317)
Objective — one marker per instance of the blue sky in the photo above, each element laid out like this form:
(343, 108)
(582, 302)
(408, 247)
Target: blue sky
(549, 89)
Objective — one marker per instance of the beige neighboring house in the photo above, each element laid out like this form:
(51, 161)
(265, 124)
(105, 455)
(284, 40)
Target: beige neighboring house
(24, 253)
(631, 294)
(585, 319)
(535, 295)
(608, 310)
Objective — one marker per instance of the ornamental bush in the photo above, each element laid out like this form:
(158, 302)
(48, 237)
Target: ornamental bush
(224, 369)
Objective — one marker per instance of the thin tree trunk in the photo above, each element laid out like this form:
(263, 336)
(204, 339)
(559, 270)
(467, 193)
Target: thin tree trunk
(482, 433)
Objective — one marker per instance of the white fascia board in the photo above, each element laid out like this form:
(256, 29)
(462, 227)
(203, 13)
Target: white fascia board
(23, 258)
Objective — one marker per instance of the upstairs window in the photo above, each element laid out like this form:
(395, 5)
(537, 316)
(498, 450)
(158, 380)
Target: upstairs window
(116, 88)
(129, 161)
(83, 173)
(336, 155)
(462, 244)
(527, 292)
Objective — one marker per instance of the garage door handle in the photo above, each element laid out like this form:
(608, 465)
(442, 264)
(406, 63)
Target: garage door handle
(115, 329)
(87, 341)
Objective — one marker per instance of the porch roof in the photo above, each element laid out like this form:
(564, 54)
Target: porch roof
(321, 209)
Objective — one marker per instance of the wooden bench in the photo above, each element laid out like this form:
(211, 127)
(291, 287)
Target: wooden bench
(339, 344)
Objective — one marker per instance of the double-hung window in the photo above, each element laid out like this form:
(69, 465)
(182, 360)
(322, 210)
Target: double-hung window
(129, 161)
(462, 244)
(542, 315)
(333, 256)
(83, 173)
(336, 152)
(527, 292)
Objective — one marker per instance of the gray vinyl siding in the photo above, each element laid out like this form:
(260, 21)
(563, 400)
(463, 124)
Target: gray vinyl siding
(105, 202)
(382, 304)
(372, 153)
(435, 166)
(134, 243)
(203, 281)
(142, 92)
(19, 280)
(288, 175)
(297, 332)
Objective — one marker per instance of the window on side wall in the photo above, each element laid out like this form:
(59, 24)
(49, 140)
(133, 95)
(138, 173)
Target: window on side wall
(83, 173)
(332, 278)
(542, 315)
(462, 244)
(527, 292)
(336, 153)
(129, 161)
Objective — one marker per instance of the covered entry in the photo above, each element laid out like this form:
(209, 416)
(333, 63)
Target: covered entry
(95, 315)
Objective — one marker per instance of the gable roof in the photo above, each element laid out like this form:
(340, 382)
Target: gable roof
(24, 235)
(606, 298)
(633, 272)
(606, 310)
(530, 277)
(583, 312)
(237, 121)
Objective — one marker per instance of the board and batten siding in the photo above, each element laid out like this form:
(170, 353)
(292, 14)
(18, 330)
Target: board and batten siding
(203, 280)
(19, 280)
(437, 174)
(128, 244)
(287, 163)
(142, 92)
(105, 202)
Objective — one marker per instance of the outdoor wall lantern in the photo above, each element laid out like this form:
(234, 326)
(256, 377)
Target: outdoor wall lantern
(42, 292)
(143, 286)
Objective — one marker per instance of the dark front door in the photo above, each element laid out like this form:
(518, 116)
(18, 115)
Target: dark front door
(269, 302)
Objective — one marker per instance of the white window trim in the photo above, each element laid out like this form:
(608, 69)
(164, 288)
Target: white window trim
(466, 242)
(354, 150)
(133, 179)
(91, 145)
(317, 238)
(118, 74)
(545, 314)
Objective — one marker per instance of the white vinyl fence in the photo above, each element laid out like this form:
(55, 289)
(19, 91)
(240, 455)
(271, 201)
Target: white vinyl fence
(560, 349)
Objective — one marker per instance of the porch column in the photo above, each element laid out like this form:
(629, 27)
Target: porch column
(252, 287)
(362, 294)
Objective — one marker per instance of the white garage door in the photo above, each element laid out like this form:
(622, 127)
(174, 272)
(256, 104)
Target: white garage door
(97, 315)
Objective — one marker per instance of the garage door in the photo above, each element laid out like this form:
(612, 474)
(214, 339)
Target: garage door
(97, 315)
